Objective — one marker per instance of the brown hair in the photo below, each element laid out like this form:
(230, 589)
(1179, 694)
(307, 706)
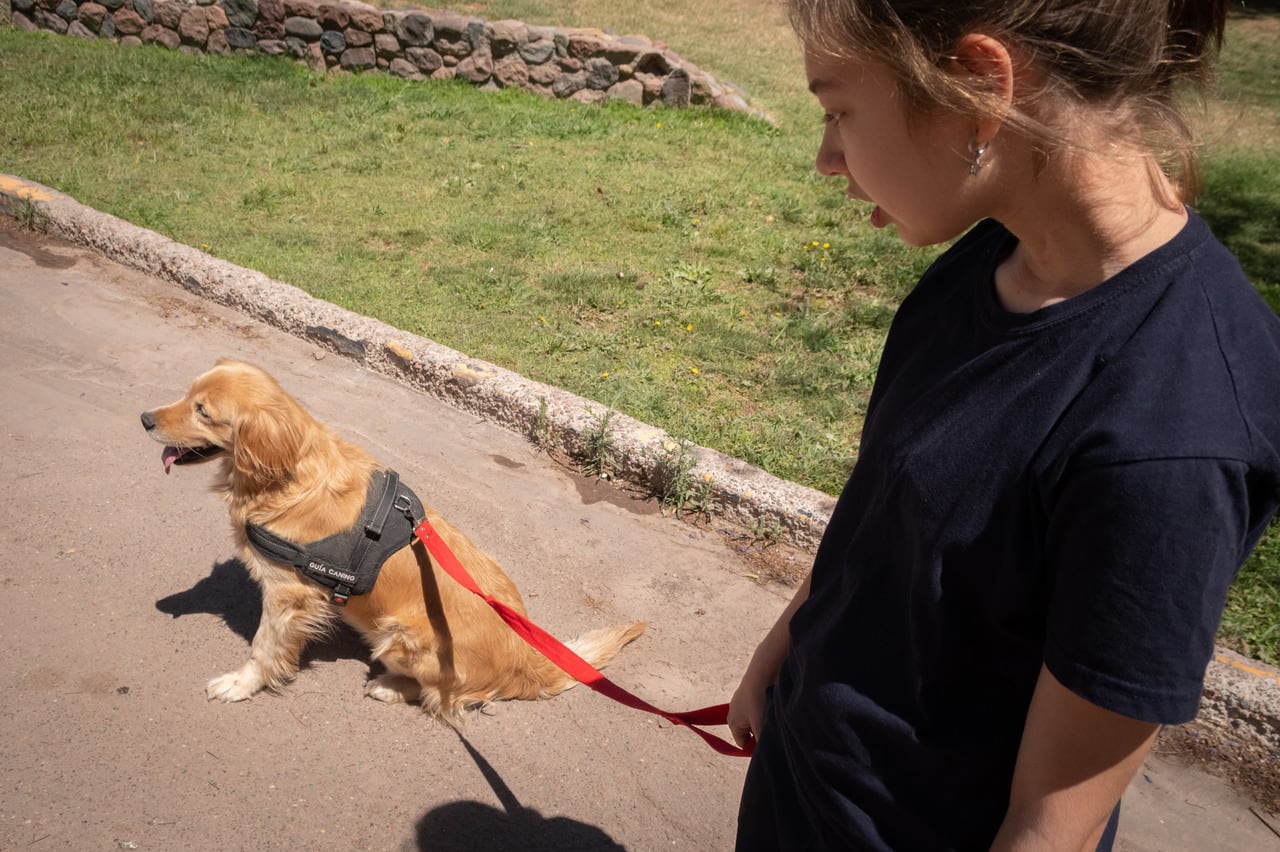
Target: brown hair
(1131, 57)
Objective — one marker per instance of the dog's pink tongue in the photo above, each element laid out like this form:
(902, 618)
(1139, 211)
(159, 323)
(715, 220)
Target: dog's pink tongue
(169, 456)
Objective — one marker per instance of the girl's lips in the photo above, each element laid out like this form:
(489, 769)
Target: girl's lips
(879, 218)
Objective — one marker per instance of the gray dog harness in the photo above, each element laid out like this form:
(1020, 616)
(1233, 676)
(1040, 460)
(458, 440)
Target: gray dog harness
(348, 562)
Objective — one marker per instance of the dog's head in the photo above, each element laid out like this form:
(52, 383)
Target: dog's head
(235, 411)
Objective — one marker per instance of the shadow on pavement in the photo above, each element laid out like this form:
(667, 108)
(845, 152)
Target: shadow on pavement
(232, 595)
(460, 826)
(228, 592)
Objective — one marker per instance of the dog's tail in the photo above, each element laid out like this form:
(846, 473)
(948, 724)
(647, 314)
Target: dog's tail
(597, 647)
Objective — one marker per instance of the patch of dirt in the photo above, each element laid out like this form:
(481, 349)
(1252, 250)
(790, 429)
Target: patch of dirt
(766, 561)
(193, 313)
(593, 489)
(1252, 770)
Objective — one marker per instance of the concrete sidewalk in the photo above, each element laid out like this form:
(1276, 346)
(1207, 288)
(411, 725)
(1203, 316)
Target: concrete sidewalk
(123, 597)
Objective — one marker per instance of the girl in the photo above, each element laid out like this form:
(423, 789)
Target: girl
(1072, 445)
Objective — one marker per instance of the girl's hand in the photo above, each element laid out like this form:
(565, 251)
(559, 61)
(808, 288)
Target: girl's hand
(746, 711)
(746, 708)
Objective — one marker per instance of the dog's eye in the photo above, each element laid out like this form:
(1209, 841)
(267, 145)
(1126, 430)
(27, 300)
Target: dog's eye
(200, 410)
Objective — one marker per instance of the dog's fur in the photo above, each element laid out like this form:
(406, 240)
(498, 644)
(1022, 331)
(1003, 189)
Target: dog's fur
(441, 644)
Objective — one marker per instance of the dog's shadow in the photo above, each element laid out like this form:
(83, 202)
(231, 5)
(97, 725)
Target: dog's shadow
(467, 825)
(232, 595)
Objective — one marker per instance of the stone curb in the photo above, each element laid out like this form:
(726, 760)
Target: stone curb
(1241, 697)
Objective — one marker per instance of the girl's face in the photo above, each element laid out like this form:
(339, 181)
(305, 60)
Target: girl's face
(914, 171)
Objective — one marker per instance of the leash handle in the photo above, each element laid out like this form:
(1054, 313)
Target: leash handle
(572, 664)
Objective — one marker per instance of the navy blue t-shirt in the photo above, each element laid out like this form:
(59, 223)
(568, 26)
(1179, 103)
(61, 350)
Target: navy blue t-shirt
(1075, 487)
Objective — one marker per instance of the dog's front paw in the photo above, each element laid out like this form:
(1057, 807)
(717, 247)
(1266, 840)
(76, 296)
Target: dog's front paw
(235, 686)
(393, 689)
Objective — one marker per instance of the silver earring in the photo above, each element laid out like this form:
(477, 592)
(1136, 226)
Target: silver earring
(977, 151)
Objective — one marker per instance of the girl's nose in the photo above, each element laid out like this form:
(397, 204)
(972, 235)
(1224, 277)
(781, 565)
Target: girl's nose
(830, 156)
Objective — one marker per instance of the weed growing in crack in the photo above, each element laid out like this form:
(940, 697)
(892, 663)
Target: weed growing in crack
(670, 476)
(599, 450)
(542, 436)
(673, 482)
(31, 217)
(766, 532)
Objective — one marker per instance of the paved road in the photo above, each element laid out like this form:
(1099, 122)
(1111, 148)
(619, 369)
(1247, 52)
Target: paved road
(121, 595)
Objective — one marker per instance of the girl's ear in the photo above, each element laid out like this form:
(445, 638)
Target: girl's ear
(989, 69)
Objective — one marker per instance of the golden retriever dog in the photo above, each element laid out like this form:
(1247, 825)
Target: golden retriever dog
(281, 469)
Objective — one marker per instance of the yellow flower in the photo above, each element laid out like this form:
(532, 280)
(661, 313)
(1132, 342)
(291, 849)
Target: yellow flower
(689, 327)
(542, 320)
(825, 246)
(693, 370)
(605, 374)
(659, 124)
(814, 243)
(657, 322)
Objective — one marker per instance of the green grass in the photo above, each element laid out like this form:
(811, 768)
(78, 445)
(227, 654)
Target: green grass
(686, 267)
(1251, 622)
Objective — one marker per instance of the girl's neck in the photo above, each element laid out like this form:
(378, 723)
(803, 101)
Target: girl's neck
(1080, 223)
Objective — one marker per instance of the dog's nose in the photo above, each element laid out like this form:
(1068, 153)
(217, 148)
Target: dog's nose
(148, 422)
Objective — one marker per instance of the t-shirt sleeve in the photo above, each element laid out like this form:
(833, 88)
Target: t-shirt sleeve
(1142, 555)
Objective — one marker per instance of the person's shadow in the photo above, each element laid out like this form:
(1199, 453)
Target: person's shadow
(232, 595)
(467, 826)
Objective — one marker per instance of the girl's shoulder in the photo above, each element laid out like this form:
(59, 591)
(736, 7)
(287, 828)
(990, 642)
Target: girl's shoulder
(1187, 362)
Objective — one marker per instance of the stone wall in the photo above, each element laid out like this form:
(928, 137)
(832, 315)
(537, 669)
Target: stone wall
(584, 65)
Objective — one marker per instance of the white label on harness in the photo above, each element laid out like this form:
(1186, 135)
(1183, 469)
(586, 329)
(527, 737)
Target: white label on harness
(332, 572)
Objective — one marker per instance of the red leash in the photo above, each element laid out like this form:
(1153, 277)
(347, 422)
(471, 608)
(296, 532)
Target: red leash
(576, 667)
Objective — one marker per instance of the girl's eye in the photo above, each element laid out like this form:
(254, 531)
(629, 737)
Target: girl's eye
(831, 118)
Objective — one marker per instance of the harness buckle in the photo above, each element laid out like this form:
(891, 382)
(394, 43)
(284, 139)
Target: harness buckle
(341, 593)
(404, 506)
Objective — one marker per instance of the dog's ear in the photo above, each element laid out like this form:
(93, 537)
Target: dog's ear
(268, 442)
